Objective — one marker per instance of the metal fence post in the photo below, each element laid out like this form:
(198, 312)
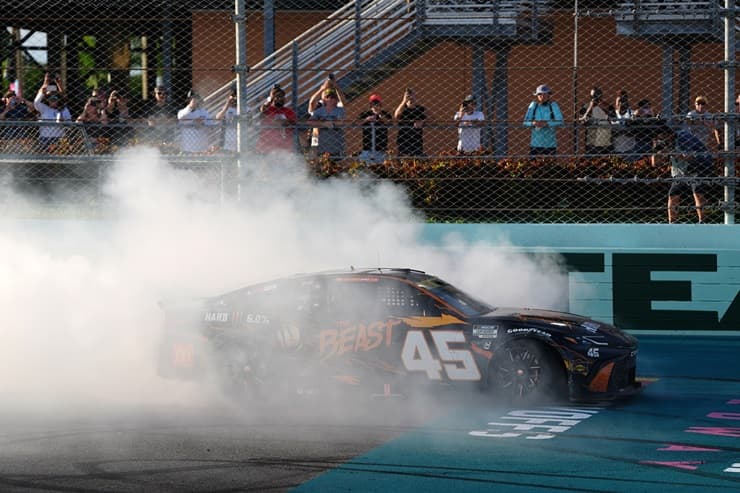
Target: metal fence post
(730, 124)
(242, 110)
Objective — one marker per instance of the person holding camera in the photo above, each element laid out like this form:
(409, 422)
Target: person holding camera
(374, 122)
(277, 124)
(227, 114)
(596, 116)
(410, 117)
(93, 117)
(327, 115)
(194, 121)
(49, 102)
(689, 158)
(470, 122)
(544, 116)
(116, 111)
(14, 108)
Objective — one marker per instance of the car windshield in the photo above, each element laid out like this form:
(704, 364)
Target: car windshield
(455, 297)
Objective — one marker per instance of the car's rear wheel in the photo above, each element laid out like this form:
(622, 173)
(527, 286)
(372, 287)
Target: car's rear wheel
(527, 372)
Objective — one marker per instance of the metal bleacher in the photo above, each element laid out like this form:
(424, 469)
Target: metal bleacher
(360, 41)
(670, 18)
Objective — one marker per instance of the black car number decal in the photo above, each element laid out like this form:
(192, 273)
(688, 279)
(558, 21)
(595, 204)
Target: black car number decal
(458, 364)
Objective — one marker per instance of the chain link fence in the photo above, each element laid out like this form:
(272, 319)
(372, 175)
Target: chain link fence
(485, 110)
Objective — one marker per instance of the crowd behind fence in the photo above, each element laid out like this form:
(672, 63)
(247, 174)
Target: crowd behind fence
(484, 110)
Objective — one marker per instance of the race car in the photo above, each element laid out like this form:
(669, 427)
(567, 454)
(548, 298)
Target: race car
(391, 331)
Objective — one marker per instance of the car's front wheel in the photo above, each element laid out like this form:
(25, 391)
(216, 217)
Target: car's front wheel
(526, 372)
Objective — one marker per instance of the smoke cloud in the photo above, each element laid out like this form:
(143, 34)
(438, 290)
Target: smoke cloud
(79, 298)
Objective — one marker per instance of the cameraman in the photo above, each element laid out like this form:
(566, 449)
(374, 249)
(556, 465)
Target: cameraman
(596, 115)
(689, 157)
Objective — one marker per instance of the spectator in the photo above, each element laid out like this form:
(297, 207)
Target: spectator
(327, 117)
(544, 116)
(642, 128)
(160, 118)
(93, 117)
(194, 121)
(689, 157)
(595, 115)
(375, 122)
(699, 122)
(277, 124)
(622, 136)
(227, 115)
(737, 124)
(49, 102)
(116, 111)
(471, 121)
(410, 117)
(13, 108)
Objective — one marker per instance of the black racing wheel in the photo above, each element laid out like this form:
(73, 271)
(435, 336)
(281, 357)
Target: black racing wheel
(525, 372)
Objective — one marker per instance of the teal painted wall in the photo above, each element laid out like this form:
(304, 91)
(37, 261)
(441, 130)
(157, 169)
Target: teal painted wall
(639, 277)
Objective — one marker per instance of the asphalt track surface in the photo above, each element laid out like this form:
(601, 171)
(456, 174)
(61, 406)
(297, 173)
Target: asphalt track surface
(681, 435)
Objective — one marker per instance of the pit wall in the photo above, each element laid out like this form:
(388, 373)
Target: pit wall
(652, 277)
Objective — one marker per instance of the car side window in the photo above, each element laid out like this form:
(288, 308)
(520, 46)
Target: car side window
(403, 300)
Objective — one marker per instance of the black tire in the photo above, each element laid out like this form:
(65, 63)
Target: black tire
(527, 372)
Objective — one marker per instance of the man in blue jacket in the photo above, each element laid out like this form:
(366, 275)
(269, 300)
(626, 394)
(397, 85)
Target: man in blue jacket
(543, 116)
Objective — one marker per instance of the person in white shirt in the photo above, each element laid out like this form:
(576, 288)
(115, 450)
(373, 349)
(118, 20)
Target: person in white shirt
(194, 122)
(228, 115)
(50, 105)
(471, 121)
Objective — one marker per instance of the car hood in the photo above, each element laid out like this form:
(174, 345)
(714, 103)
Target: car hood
(565, 322)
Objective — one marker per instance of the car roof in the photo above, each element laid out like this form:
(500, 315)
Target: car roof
(403, 272)
(412, 275)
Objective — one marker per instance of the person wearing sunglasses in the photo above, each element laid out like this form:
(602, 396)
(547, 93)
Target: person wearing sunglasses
(327, 117)
(161, 118)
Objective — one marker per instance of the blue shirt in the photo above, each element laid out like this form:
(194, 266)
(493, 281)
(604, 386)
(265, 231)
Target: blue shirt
(549, 112)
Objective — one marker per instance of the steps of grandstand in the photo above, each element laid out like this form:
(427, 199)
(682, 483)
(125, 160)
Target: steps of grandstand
(364, 42)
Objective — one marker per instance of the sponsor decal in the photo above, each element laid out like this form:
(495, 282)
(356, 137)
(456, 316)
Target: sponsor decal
(592, 327)
(356, 338)
(216, 317)
(485, 331)
(256, 318)
(528, 330)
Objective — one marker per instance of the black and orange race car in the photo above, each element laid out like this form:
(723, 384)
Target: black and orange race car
(383, 331)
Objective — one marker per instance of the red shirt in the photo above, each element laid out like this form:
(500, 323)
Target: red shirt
(273, 136)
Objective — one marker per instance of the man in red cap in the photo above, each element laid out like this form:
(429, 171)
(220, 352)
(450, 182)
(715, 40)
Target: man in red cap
(374, 122)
